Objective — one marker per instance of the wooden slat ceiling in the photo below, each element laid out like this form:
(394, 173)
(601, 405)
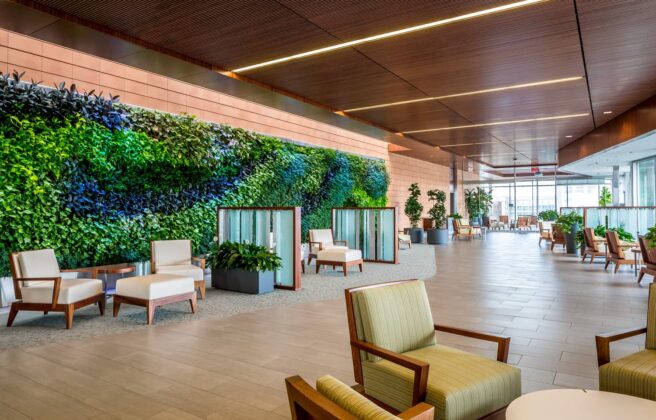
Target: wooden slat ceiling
(611, 44)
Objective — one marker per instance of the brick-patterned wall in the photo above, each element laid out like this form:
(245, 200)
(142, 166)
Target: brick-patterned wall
(49, 63)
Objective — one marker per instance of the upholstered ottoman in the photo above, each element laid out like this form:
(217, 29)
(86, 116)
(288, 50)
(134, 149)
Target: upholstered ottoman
(340, 257)
(154, 290)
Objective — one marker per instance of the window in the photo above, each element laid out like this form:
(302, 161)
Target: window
(645, 181)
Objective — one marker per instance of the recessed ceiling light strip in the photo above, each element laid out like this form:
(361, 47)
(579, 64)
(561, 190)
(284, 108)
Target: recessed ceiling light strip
(558, 117)
(475, 92)
(391, 34)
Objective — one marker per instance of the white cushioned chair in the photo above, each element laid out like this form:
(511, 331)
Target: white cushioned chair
(321, 239)
(39, 286)
(174, 257)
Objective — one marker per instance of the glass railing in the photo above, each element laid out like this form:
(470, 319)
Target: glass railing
(635, 220)
(276, 228)
(373, 230)
(578, 210)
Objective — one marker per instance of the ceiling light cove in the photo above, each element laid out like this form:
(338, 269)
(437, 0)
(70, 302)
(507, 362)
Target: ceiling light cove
(475, 92)
(391, 34)
(557, 117)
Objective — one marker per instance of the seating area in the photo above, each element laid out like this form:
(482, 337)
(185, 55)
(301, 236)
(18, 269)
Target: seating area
(428, 210)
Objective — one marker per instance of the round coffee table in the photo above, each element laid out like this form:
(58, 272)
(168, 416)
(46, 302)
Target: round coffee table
(579, 404)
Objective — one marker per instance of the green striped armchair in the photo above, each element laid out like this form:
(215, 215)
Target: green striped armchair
(398, 362)
(634, 374)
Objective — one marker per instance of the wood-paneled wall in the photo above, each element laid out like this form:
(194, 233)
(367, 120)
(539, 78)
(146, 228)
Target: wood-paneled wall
(49, 63)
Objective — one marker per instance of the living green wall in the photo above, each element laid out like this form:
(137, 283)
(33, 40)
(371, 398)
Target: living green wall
(97, 180)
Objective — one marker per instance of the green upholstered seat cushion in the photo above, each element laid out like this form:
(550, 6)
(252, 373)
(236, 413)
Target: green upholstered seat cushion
(461, 385)
(651, 318)
(634, 374)
(396, 317)
(350, 400)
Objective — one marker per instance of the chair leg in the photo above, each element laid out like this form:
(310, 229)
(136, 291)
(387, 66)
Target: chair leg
(194, 304)
(101, 305)
(617, 267)
(12, 315)
(117, 307)
(309, 259)
(150, 313)
(345, 267)
(361, 267)
(45, 312)
(70, 310)
(553, 244)
(642, 274)
(606, 266)
(303, 266)
(318, 266)
(201, 288)
(584, 255)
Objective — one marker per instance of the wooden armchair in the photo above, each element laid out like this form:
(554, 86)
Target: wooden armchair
(523, 223)
(557, 236)
(615, 252)
(334, 400)
(320, 239)
(648, 259)
(460, 230)
(634, 374)
(404, 239)
(545, 232)
(504, 221)
(175, 257)
(398, 363)
(533, 221)
(591, 247)
(39, 286)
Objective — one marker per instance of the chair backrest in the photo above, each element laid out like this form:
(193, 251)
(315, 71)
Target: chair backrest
(175, 252)
(463, 222)
(557, 233)
(648, 254)
(503, 219)
(613, 242)
(325, 236)
(331, 400)
(486, 221)
(534, 220)
(395, 316)
(522, 221)
(33, 264)
(651, 318)
(588, 236)
(456, 225)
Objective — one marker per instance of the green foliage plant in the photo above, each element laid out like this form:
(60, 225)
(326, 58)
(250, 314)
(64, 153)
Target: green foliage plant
(605, 198)
(244, 256)
(478, 202)
(413, 207)
(651, 237)
(456, 216)
(438, 211)
(568, 220)
(548, 215)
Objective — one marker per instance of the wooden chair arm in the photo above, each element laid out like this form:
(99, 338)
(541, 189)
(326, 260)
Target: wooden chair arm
(201, 261)
(503, 342)
(93, 271)
(603, 342)
(417, 366)
(320, 244)
(421, 411)
(55, 289)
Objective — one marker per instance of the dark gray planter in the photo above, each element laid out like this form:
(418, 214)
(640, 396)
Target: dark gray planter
(416, 235)
(254, 282)
(437, 236)
(570, 240)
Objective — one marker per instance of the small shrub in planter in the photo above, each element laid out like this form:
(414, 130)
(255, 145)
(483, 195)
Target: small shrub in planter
(243, 267)
(440, 234)
(569, 223)
(413, 209)
(548, 215)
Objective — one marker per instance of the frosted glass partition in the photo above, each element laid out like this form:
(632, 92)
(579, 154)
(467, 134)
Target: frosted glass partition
(276, 228)
(369, 229)
(635, 220)
(566, 210)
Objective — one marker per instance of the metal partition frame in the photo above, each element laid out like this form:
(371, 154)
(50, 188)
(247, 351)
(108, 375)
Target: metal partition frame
(370, 243)
(269, 231)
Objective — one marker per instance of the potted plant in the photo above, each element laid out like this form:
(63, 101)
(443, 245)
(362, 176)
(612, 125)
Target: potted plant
(651, 237)
(440, 234)
(605, 198)
(478, 203)
(569, 223)
(413, 209)
(548, 215)
(243, 267)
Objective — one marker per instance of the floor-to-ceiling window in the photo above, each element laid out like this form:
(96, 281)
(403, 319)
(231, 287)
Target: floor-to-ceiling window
(645, 182)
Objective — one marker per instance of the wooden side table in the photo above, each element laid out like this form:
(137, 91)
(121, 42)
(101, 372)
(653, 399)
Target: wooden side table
(105, 270)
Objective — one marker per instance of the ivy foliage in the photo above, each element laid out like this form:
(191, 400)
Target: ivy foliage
(97, 181)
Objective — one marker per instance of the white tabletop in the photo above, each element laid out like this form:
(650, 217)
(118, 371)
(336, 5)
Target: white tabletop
(579, 404)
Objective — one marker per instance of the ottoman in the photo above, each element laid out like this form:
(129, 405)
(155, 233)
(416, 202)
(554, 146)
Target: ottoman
(154, 290)
(340, 257)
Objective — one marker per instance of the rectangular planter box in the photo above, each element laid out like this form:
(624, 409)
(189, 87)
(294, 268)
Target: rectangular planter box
(243, 281)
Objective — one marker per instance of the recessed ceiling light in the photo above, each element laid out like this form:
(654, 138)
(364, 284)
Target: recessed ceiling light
(466, 144)
(608, 112)
(475, 92)
(569, 136)
(558, 117)
(391, 34)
